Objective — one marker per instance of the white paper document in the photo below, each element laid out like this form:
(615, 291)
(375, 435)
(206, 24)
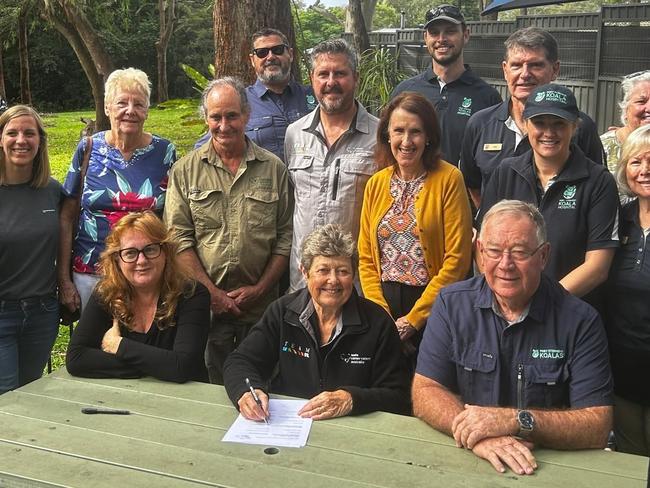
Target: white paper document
(285, 428)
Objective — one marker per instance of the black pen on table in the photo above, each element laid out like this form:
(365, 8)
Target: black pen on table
(110, 411)
(256, 398)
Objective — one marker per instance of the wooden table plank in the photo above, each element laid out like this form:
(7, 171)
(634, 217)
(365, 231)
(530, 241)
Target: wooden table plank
(22, 466)
(202, 400)
(374, 450)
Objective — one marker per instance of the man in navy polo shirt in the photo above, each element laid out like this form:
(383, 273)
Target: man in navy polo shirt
(275, 99)
(450, 85)
(510, 360)
(498, 132)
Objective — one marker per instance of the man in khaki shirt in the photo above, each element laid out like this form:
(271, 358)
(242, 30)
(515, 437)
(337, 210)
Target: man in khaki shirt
(229, 205)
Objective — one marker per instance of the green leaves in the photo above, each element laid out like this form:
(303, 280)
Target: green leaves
(378, 75)
(200, 81)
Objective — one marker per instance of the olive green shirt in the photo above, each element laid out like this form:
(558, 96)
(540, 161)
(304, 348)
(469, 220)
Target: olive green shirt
(233, 222)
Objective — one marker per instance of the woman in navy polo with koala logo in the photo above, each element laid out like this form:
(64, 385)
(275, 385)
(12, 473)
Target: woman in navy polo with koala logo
(577, 197)
(323, 342)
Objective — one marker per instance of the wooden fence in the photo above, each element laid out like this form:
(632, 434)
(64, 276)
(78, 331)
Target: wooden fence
(596, 51)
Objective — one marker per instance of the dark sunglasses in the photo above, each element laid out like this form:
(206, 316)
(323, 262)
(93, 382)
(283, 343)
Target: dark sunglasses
(446, 10)
(262, 52)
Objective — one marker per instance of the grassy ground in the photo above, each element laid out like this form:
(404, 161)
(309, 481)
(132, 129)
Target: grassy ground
(63, 130)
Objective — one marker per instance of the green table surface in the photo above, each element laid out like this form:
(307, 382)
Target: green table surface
(173, 438)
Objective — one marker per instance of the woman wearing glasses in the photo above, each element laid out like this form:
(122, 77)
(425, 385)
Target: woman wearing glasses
(577, 197)
(145, 317)
(635, 111)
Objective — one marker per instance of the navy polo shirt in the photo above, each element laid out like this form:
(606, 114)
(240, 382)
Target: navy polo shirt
(627, 313)
(488, 141)
(580, 208)
(454, 105)
(554, 358)
(271, 114)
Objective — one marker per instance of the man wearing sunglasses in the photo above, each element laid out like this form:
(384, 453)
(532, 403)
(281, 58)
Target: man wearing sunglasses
(509, 360)
(451, 86)
(276, 99)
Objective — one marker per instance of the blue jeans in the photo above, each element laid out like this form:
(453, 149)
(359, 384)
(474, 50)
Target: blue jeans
(28, 329)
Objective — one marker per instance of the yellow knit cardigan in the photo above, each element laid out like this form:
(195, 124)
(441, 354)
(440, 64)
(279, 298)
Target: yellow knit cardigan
(444, 224)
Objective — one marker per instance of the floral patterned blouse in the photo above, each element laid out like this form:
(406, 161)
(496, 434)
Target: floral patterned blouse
(113, 188)
(402, 259)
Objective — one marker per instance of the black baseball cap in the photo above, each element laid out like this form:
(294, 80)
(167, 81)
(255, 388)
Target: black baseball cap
(552, 99)
(447, 12)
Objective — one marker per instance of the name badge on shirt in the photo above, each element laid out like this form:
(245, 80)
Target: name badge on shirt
(495, 146)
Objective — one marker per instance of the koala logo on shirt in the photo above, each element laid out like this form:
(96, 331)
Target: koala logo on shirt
(569, 192)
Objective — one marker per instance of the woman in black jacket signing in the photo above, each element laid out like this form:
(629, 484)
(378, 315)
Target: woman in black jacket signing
(329, 344)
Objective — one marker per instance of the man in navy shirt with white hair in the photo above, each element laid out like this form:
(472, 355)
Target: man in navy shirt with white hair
(510, 360)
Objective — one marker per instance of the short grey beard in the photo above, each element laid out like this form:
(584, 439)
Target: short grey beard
(282, 77)
(331, 108)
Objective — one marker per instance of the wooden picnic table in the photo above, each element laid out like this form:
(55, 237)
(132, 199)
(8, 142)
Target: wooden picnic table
(173, 438)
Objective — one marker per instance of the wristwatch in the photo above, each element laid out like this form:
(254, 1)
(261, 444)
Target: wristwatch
(526, 423)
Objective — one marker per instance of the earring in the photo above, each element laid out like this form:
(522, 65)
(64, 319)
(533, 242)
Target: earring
(388, 140)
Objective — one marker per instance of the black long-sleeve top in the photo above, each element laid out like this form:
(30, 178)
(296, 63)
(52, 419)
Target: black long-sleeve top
(173, 354)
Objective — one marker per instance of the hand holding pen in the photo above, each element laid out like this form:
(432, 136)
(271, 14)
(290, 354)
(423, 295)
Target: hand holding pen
(254, 404)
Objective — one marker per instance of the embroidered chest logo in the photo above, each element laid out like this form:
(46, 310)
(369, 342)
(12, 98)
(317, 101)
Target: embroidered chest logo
(354, 358)
(465, 107)
(300, 351)
(547, 354)
(311, 102)
(568, 200)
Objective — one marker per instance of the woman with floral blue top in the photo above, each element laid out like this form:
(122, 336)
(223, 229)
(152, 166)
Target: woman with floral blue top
(127, 172)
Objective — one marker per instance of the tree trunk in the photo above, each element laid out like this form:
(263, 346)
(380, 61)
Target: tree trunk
(96, 80)
(166, 13)
(23, 52)
(234, 22)
(359, 32)
(490, 17)
(3, 88)
(88, 34)
(368, 10)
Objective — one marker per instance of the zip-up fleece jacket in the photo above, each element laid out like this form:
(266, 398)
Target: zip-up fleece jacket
(365, 359)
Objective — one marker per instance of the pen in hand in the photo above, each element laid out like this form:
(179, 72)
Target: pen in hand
(256, 398)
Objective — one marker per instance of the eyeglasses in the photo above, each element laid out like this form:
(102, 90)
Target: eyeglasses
(631, 76)
(446, 10)
(131, 254)
(262, 52)
(517, 255)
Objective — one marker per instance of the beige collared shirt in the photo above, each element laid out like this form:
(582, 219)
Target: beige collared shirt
(233, 222)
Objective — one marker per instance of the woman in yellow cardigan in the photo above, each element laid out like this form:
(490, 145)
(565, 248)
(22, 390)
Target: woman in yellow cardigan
(416, 224)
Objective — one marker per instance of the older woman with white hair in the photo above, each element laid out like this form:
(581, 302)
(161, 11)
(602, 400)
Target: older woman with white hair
(627, 312)
(635, 111)
(114, 172)
(323, 342)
